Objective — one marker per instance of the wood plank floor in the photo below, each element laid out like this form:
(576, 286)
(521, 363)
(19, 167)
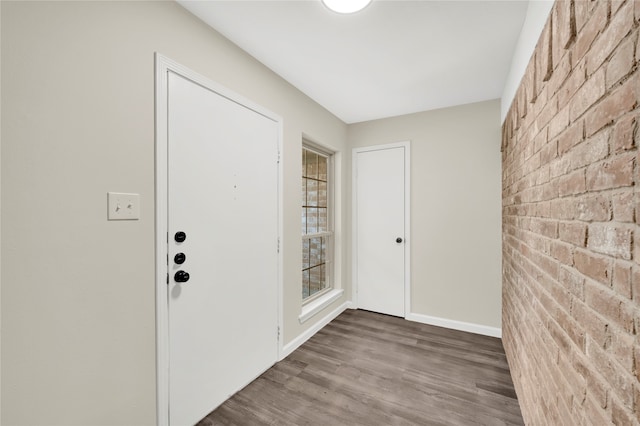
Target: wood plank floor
(371, 369)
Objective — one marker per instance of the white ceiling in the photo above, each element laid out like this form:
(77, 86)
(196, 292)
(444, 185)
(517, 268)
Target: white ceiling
(395, 57)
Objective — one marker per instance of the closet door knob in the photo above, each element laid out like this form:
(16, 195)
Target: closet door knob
(398, 240)
(180, 236)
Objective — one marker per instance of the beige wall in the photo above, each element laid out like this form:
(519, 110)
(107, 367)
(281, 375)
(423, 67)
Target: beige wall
(455, 207)
(78, 292)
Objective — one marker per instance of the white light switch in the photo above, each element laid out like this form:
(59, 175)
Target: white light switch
(123, 206)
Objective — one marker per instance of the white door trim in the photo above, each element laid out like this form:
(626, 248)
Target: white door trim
(407, 219)
(163, 65)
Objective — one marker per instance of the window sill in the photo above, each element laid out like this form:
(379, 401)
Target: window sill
(309, 310)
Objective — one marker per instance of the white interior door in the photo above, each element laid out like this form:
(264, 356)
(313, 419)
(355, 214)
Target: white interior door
(223, 195)
(381, 195)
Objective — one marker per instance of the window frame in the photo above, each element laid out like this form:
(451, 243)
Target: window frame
(329, 235)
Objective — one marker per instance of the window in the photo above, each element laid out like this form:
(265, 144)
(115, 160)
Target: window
(317, 231)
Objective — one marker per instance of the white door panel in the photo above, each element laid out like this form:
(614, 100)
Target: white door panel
(380, 220)
(222, 192)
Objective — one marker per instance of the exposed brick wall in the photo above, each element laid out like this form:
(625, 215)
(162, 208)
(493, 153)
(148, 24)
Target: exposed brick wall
(571, 213)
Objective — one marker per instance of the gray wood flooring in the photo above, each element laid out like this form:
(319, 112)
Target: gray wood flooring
(371, 369)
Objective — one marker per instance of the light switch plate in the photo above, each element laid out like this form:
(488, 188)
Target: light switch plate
(123, 206)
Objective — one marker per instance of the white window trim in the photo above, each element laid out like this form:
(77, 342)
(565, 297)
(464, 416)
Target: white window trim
(318, 304)
(314, 305)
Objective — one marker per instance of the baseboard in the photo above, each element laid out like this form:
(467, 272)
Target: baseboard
(456, 325)
(298, 341)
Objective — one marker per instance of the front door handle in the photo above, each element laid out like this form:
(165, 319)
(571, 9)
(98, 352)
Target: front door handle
(181, 277)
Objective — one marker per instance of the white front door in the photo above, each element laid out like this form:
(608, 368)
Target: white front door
(223, 199)
(381, 207)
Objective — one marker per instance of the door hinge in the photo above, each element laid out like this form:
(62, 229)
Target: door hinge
(167, 278)
(278, 244)
(278, 332)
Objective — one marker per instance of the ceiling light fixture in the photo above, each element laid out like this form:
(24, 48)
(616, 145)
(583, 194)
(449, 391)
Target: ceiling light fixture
(346, 6)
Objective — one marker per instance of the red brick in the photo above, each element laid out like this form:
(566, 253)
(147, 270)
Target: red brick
(560, 75)
(582, 14)
(636, 240)
(623, 208)
(620, 416)
(543, 176)
(574, 233)
(597, 389)
(544, 55)
(521, 101)
(609, 239)
(616, 172)
(533, 163)
(529, 80)
(625, 133)
(615, 5)
(549, 111)
(592, 90)
(572, 136)
(540, 140)
(622, 349)
(593, 266)
(588, 314)
(620, 101)
(549, 192)
(562, 252)
(573, 183)
(541, 100)
(548, 265)
(591, 150)
(559, 166)
(636, 360)
(620, 25)
(621, 63)
(637, 43)
(619, 380)
(558, 123)
(621, 281)
(609, 305)
(629, 315)
(595, 409)
(637, 193)
(635, 287)
(573, 330)
(636, 396)
(560, 338)
(572, 83)
(593, 207)
(562, 208)
(572, 281)
(565, 22)
(548, 152)
(594, 25)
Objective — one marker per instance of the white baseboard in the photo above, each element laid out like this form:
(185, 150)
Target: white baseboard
(456, 325)
(298, 341)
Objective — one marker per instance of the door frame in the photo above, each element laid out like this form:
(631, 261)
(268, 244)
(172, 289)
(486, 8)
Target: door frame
(407, 219)
(163, 65)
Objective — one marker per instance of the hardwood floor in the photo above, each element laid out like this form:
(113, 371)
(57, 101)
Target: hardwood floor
(371, 369)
